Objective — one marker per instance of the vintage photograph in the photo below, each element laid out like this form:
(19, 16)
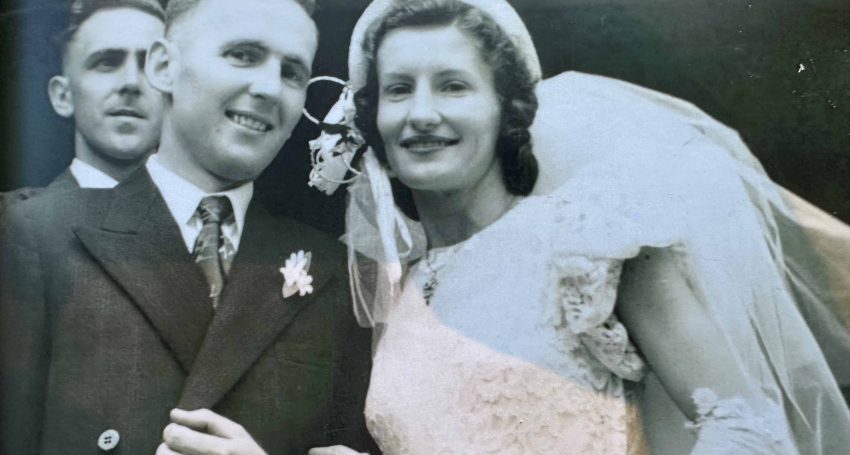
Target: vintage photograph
(336, 227)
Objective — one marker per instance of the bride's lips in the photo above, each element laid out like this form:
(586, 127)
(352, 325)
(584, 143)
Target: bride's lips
(427, 143)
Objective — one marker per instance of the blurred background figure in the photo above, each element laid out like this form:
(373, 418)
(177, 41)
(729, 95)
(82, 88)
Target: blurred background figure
(102, 89)
(117, 115)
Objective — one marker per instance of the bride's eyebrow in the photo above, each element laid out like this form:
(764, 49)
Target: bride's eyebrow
(448, 72)
(453, 72)
(395, 75)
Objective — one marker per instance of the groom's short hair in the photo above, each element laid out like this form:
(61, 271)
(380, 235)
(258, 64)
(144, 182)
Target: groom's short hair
(178, 8)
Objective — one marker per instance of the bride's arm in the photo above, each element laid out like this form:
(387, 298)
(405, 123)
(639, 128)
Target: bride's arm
(688, 351)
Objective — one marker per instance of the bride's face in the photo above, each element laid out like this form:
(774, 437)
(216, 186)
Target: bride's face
(438, 111)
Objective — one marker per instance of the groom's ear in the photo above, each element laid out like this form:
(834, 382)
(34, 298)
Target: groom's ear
(162, 65)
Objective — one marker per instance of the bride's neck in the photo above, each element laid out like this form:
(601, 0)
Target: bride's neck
(452, 217)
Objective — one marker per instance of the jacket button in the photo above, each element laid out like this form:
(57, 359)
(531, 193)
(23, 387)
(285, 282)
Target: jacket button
(108, 440)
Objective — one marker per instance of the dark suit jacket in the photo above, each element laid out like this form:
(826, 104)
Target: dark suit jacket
(65, 181)
(107, 324)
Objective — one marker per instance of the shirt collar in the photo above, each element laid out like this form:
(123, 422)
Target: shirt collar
(182, 197)
(88, 176)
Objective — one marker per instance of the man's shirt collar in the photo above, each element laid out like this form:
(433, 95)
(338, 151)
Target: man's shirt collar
(182, 198)
(88, 176)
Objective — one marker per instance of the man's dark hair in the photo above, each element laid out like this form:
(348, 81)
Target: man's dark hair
(81, 10)
(513, 83)
(178, 8)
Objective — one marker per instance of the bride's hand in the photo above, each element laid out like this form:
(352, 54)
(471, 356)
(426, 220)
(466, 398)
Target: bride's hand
(334, 450)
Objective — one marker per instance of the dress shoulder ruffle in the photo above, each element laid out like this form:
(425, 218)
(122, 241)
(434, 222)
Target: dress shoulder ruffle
(593, 228)
(586, 292)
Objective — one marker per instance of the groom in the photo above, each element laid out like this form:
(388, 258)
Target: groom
(119, 305)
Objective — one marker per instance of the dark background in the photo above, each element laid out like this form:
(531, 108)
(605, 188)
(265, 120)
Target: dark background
(740, 61)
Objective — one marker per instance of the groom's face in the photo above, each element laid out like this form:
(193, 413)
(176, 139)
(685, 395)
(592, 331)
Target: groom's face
(240, 82)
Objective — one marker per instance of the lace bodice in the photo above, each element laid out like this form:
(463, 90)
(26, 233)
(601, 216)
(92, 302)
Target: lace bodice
(437, 391)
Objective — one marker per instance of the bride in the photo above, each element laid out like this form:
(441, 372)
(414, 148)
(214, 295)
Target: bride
(625, 297)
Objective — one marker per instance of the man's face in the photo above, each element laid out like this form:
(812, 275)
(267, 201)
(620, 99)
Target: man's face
(116, 113)
(240, 76)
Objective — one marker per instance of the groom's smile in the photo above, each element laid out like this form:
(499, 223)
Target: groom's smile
(249, 121)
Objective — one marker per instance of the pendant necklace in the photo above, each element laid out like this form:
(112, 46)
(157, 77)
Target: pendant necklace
(431, 282)
(433, 262)
(441, 257)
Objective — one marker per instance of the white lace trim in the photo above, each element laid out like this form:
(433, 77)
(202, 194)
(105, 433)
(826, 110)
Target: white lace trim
(585, 295)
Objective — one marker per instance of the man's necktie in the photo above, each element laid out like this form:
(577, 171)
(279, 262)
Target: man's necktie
(213, 251)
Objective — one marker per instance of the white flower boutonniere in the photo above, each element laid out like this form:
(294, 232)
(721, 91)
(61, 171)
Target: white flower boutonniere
(295, 276)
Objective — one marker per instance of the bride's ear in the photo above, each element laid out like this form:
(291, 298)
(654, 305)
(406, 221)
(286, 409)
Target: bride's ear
(162, 65)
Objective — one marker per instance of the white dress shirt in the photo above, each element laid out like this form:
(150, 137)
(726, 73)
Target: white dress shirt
(88, 176)
(183, 197)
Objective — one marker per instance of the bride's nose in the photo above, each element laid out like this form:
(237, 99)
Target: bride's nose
(423, 114)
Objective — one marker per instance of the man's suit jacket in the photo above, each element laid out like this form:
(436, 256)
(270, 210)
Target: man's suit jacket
(107, 324)
(64, 181)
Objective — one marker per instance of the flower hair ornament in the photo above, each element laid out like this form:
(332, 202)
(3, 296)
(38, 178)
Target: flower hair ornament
(339, 142)
(380, 238)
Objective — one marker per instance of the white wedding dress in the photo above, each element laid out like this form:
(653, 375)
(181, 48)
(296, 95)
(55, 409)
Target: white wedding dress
(519, 350)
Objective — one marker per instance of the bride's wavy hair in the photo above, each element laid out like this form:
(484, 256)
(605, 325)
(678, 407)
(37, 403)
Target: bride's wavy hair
(513, 83)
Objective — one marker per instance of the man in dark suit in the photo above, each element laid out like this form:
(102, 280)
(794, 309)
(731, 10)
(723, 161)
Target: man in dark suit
(117, 115)
(175, 289)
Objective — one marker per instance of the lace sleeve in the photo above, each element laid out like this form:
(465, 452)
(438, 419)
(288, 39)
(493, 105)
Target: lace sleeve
(586, 294)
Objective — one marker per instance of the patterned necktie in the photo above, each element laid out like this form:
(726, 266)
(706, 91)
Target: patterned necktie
(213, 252)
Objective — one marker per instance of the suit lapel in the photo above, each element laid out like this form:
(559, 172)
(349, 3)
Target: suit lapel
(139, 245)
(252, 312)
(64, 181)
